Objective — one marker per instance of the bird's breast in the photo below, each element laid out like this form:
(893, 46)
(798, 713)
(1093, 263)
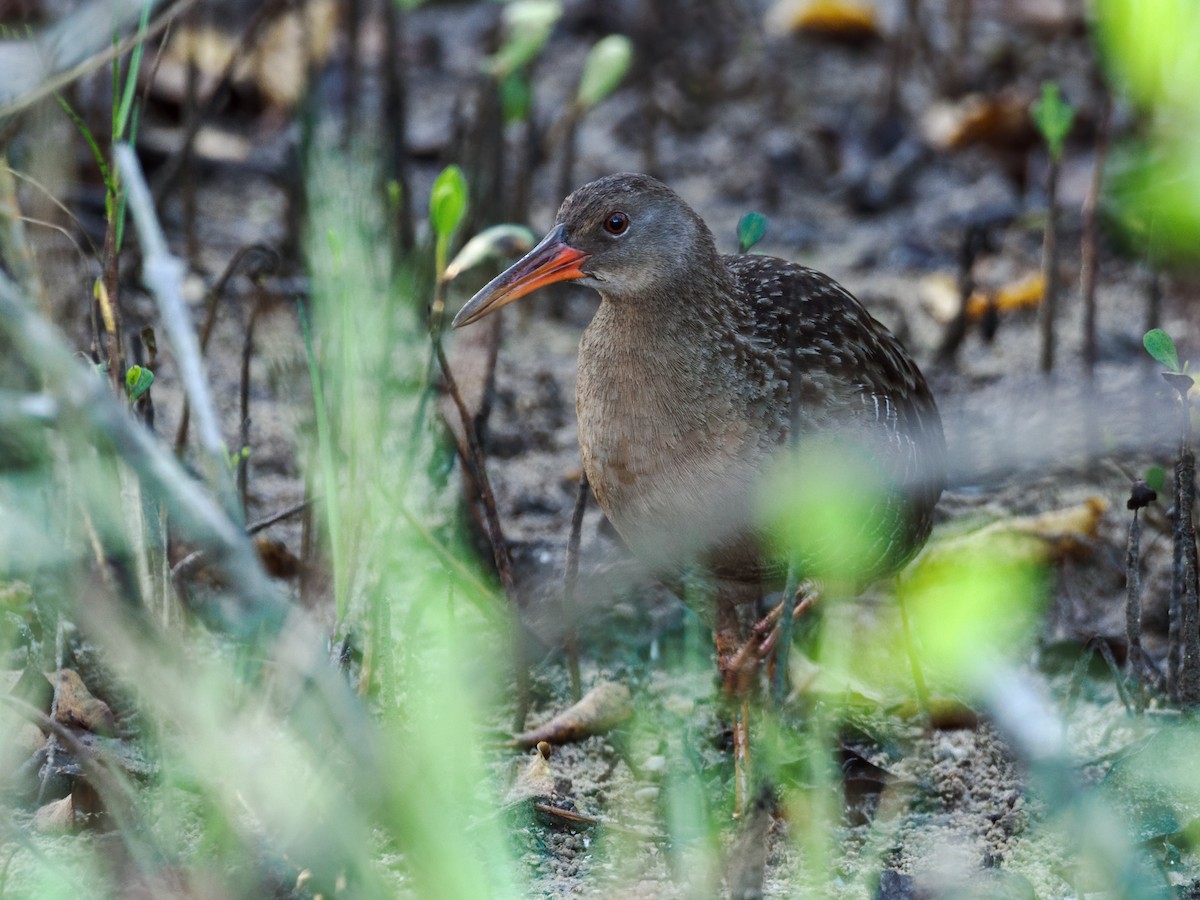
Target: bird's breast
(671, 453)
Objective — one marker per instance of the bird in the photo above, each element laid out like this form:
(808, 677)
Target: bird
(696, 374)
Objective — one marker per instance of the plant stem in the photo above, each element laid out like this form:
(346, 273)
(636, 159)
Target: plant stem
(571, 575)
(1087, 248)
(1133, 603)
(1049, 269)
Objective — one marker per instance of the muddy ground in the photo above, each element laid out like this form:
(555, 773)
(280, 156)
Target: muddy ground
(737, 116)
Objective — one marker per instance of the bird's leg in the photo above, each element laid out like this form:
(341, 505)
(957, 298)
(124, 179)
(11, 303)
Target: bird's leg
(734, 609)
(767, 630)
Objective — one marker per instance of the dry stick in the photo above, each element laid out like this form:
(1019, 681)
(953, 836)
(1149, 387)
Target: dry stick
(1087, 244)
(500, 552)
(110, 309)
(570, 577)
(247, 352)
(1050, 268)
(973, 242)
(210, 313)
(1133, 605)
(286, 513)
(163, 276)
(1185, 570)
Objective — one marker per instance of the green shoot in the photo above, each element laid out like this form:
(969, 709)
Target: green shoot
(606, 65)
(1159, 345)
(447, 205)
(1053, 115)
(137, 381)
(751, 229)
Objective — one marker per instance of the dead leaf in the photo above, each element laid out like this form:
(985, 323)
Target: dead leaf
(277, 559)
(1001, 121)
(1043, 538)
(939, 297)
(57, 816)
(603, 708)
(535, 780)
(77, 706)
(845, 21)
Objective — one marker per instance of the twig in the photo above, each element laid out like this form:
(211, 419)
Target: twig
(287, 513)
(1049, 308)
(163, 275)
(500, 552)
(973, 242)
(243, 461)
(269, 263)
(1087, 246)
(1133, 599)
(571, 817)
(570, 577)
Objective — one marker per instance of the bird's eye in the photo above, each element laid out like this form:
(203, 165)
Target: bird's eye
(616, 223)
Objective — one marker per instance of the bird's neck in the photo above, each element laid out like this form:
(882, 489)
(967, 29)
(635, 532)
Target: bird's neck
(678, 336)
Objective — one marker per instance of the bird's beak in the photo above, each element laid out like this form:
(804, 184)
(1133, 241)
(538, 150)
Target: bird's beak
(550, 261)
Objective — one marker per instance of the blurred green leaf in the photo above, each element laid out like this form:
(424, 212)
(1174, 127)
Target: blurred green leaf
(751, 228)
(975, 603)
(822, 504)
(527, 26)
(1159, 345)
(1153, 48)
(448, 201)
(605, 66)
(1053, 116)
(137, 381)
(516, 97)
(1155, 477)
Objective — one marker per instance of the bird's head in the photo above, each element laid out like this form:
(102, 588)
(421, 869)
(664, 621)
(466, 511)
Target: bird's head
(627, 236)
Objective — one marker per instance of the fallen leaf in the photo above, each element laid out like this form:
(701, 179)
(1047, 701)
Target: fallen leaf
(277, 559)
(845, 21)
(603, 708)
(535, 780)
(939, 297)
(77, 706)
(56, 816)
(1041, 538)
(1000, 121)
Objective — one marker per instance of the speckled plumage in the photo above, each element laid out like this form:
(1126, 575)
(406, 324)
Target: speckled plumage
(684, 386)
(688, 374)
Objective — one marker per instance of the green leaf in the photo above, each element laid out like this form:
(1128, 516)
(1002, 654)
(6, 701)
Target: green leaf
(448, 201)
(1053, 116)
(527, 24)
(516, 97)
(751, 228)
(1159, 345)
(605, 66)
(137, 381)
(1154, 478)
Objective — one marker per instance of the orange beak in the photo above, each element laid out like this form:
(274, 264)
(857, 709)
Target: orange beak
(551, 260)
